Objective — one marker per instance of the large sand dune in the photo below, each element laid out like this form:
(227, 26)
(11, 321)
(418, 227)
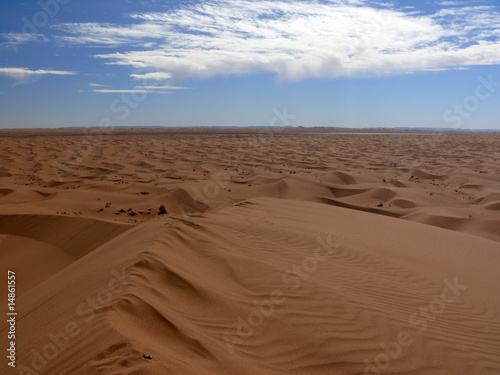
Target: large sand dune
(303, 254)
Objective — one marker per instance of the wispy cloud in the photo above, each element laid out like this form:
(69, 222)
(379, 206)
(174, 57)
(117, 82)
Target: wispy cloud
(105, 34)
(165, 88)
(14, 40)
(450, 3)
(26, 75)
(154, 76)
(297, 39)
(96, 85)
(133, 91)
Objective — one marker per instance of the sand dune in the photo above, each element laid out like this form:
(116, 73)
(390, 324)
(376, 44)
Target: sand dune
(302, 254)
(75, 236)
(191, 283)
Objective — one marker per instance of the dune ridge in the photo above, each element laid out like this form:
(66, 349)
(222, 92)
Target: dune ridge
(196, 280)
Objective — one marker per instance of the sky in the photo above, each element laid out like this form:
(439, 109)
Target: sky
(339, 63)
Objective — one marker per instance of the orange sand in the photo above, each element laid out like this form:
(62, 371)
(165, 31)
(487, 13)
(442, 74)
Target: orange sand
(278, 254)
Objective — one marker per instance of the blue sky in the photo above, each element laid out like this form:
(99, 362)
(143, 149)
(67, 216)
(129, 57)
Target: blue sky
(345, 63)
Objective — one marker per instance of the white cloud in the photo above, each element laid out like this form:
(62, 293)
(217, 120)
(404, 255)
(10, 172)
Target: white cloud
(134, 91)
(164, 88)
(154, 76)
(451, 3)
(14, 40)
(96, 85)
(105, 34)
(25, 75)
(297, 39)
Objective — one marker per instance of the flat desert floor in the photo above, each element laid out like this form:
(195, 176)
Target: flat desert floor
(256, 253)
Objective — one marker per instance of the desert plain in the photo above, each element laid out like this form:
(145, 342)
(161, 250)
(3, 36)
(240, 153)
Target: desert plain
(259, 252)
